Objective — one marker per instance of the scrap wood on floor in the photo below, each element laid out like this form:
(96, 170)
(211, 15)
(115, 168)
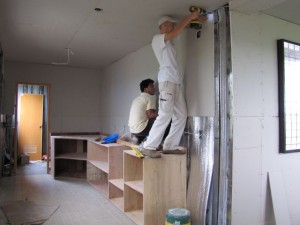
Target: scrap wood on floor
(27, 212)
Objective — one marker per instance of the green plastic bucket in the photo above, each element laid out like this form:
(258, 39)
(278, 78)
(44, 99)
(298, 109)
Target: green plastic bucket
(178, 216)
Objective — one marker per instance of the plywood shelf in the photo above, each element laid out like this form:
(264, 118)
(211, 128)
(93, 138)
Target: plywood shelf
(137, 185)
(101, 186)
(137, 216)
(71, 175)
(102, 165)
(74, 156)
(119, 183)
(119, 202)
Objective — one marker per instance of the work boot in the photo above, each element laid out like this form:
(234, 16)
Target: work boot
(150, 153)
(179, 150)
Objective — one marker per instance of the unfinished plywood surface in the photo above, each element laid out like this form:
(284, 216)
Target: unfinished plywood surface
(102, 165)
(115, 155)
(97, 152)
(63, 146)
(159, 183)
(137, 185)
(66, 168)
(133, 169)
(118, 183)
(133, 200)
(119, 202)
(74, 156)
(94, 173)
(166, 179)
(70, 157)
(105, 163)
(114, 191)
(143, 188)
(137, 216)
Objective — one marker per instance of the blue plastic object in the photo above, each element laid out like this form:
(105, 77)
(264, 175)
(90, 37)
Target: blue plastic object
(110, 139)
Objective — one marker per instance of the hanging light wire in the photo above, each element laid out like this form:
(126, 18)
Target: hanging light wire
(69, 51)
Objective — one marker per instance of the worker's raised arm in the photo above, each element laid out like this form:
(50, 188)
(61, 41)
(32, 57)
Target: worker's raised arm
(180, 26)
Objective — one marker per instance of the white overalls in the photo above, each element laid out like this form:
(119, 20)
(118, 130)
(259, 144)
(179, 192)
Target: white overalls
(171, 101)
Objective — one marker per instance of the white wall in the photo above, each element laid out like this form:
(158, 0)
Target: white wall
(255, 116)
(199, 78)
(120, 83)
(74, 94)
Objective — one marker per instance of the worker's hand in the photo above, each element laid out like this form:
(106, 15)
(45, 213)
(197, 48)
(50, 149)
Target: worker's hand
(197, 16)
(194, 15)
(202, 18)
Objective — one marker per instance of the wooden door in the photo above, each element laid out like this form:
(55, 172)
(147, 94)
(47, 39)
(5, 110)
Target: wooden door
(30, 126)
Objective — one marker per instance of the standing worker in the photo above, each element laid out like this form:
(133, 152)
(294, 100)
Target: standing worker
(171, 101)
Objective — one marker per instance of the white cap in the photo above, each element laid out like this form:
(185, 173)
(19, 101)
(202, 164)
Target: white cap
(164, 19)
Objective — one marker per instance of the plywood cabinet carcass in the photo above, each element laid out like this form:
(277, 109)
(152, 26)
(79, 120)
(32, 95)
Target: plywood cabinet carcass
(143, 188)
(70, 156)
(152, 186)
(104, 164)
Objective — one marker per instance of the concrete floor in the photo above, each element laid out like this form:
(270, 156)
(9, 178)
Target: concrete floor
(79, 203)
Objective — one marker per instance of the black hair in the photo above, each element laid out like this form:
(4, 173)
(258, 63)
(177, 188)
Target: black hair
(145, 83)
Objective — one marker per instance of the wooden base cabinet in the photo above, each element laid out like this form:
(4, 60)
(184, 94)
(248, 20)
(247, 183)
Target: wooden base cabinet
(143, 188)
(152, 186)
(70, 156)
(105, 167)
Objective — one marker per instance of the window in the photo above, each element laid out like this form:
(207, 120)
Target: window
(289, 95)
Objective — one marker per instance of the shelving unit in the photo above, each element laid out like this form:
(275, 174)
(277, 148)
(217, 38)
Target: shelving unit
(70, 155)
(143, 188)
(105, 168)
(152, 186)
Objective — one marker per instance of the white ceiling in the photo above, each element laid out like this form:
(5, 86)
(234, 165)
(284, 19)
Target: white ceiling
(39, 31)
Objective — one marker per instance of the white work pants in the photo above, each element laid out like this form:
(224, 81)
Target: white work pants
(171, 106)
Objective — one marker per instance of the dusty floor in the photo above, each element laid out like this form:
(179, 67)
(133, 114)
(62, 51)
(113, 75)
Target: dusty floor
(79, 203)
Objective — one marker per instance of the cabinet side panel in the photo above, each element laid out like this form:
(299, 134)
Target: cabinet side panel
(115, 160)
(52, 156)
(97, 152)
(133, 168)
(132, 200)
(152, 203)
(164, 187)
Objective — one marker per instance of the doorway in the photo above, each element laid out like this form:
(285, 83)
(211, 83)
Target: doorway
(32, 125)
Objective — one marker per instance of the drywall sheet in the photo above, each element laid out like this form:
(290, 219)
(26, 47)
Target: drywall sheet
(280, 206)
(199, 77)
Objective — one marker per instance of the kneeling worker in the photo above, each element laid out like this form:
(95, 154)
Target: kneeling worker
(143, 111)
